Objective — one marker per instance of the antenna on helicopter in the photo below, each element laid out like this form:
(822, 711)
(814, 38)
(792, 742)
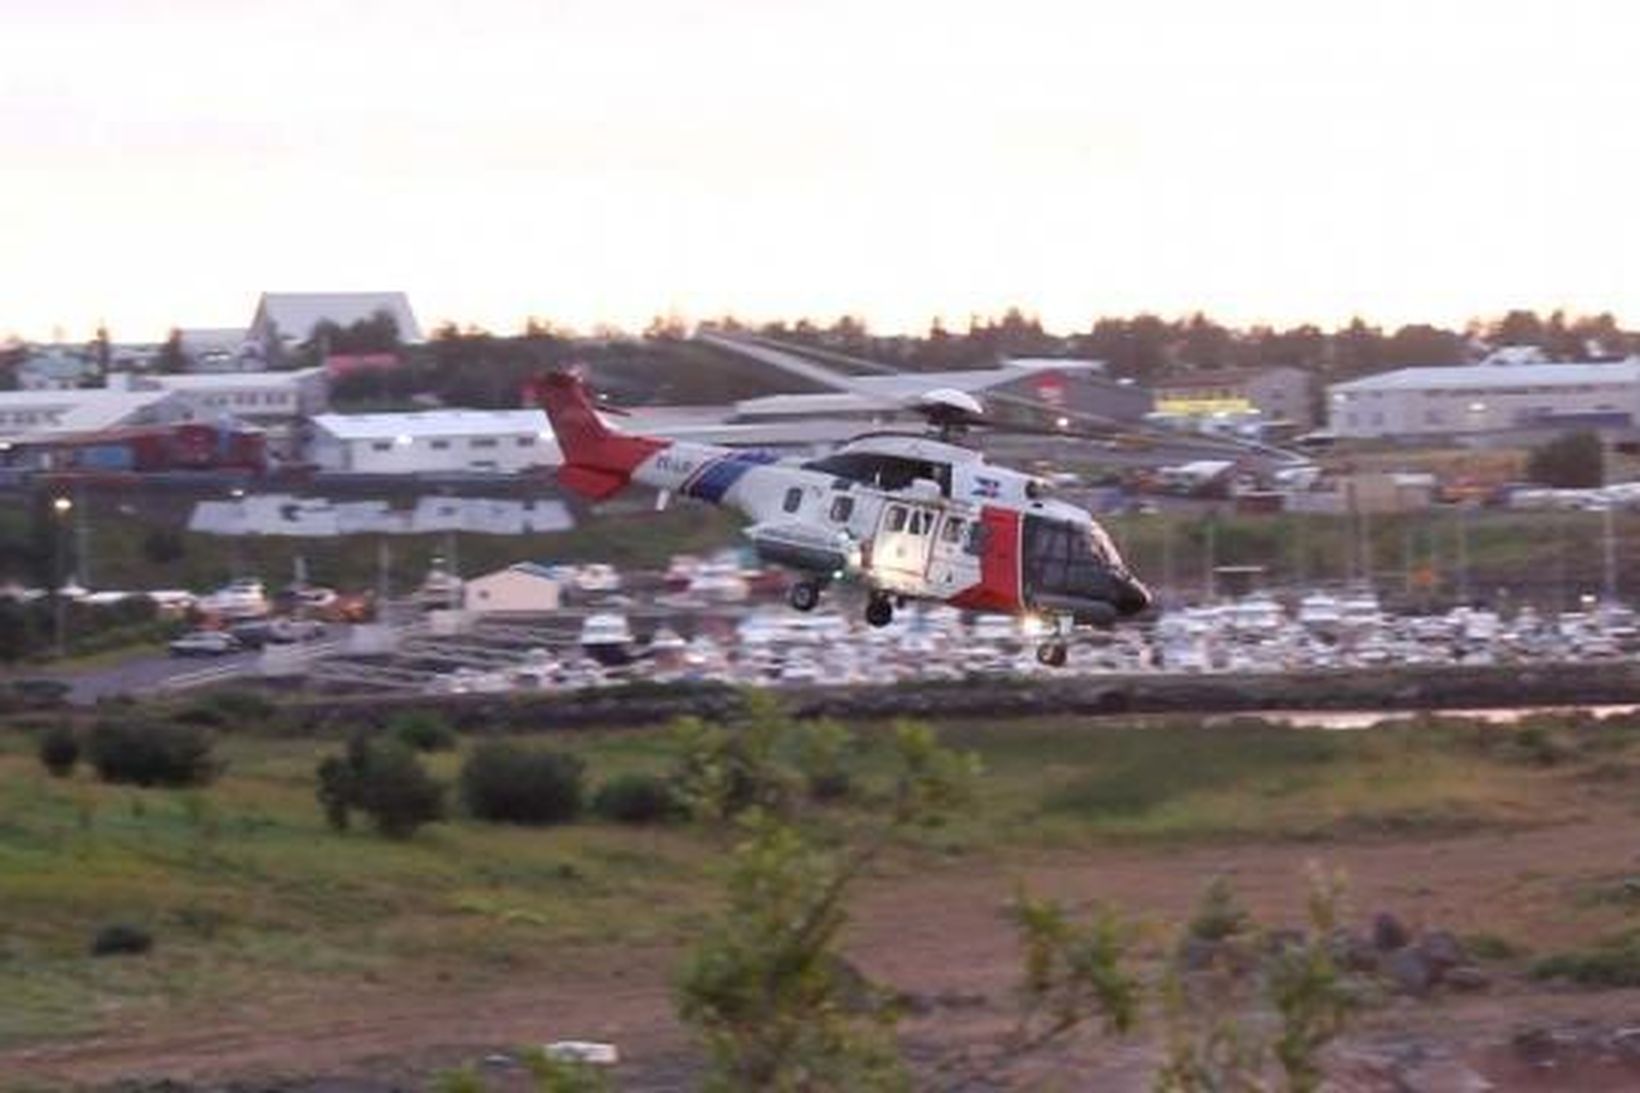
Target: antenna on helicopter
(950, 411)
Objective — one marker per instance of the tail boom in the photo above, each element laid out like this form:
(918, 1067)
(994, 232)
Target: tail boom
(598, 460)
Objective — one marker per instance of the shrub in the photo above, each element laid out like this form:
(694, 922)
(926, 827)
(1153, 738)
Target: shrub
(384, 780)
(1218, 913)
(59, 750)
(423, 730)
(509, 784)
(636, 799)
(1611, 962)
(121, 939)
(151, 753)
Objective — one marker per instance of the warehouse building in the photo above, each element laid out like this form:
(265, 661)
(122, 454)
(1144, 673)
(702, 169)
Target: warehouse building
(432, 442)
(1279, 393)
(1486, 398)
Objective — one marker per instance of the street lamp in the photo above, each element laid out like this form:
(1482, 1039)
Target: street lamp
(61, 506)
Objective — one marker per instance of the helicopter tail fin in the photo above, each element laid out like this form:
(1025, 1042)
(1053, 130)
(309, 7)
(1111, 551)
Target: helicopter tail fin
(598, 460)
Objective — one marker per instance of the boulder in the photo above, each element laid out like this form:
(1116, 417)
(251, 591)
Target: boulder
(1410, 971)
(1388, 933)
(1442, 950)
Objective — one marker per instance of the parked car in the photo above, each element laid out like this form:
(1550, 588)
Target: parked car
(205, 643)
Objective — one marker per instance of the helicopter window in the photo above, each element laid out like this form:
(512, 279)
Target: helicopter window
(794, 499)
(896, 518)
(841, 509)
(921, 522)
(952, 532)
(883, 470)
(1064, 558)
(976, 539)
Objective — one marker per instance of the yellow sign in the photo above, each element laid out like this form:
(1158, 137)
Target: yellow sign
(1203, 407)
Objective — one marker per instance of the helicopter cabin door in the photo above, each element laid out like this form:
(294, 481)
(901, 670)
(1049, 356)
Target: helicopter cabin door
(954, 564)
(904, 540)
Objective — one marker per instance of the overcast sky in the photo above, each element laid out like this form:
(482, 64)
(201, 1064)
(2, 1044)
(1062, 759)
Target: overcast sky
(604, 161)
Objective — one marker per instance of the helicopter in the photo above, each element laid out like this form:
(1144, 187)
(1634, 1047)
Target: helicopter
(909, 517)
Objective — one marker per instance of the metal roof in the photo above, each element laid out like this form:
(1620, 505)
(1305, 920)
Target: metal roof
(1474, 377)
(77, 410)
(432, 423)
(227, 381)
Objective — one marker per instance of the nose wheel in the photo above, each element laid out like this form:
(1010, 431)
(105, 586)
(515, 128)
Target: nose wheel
(879, 611)
(804, 595)
(1052, 654)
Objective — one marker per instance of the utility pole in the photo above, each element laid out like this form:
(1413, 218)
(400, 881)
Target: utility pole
(1609, 587)
(60, 508)
(1463, 553)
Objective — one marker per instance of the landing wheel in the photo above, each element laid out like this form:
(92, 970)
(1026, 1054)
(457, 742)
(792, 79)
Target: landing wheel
(1052, 653)
(804, 595)
(879, 612)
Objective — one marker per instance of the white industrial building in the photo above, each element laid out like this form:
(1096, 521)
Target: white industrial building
(434, 441)
(27, 414)
(1482, 398)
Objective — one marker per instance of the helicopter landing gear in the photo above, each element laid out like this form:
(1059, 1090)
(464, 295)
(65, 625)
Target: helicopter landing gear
(1052, 654)
(804, 595)
(879, 611)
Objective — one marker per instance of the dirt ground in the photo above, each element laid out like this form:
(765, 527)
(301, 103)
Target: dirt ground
(941, 936)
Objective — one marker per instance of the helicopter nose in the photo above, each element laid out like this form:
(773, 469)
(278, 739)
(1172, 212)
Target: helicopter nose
(1132, 596)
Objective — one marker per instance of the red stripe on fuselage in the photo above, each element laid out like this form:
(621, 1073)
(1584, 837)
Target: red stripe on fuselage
(998, 588)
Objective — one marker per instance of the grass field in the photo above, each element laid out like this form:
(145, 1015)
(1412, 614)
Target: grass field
(249, 895)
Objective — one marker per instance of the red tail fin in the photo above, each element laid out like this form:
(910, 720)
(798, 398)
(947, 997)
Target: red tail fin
(598, 461)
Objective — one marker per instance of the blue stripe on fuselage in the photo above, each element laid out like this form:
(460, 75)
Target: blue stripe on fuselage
(712, 481)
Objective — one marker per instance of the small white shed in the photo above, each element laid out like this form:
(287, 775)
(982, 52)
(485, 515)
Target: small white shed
(522, 587)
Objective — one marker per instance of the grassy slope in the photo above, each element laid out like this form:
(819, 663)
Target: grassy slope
(245, 888)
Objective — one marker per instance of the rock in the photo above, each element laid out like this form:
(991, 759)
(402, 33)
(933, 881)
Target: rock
(1536, 1046)
(1198, 954)
(1442, 950)
(1353, 952)
(1388, 933)
(1410, 971)
(1466, 977)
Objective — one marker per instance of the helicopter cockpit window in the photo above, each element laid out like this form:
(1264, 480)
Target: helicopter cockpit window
(952, 532)
(1062, 557)
(841, 509)
(896, 518)
(921, 522)
(794, 499)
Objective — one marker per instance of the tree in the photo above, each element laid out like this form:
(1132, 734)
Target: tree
(1575, 460)
(172, 358)
(766, 987)
(384, 780)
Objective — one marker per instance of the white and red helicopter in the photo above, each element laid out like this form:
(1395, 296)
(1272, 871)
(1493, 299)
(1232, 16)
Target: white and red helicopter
(908, 517)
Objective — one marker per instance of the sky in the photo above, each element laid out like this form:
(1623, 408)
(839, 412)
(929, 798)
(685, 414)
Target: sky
(606, 161)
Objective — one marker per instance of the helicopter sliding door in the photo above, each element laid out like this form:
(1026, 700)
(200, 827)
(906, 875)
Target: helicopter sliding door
(954, 562)
(901, 548)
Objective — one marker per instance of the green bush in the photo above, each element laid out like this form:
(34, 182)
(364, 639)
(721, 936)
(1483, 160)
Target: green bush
(384, 780)
(59, 750)
(152, 753)
(505, 783)
(240, 708)
(423, 730)
(636, 799)
(1613, 962)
